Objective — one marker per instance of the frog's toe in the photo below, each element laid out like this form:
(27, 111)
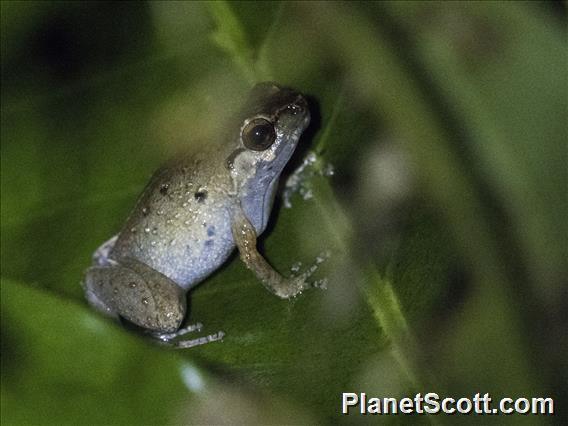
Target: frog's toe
(184, 344)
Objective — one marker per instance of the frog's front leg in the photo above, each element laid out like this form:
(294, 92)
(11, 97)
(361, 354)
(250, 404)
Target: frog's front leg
(136, 292)
(245, 236)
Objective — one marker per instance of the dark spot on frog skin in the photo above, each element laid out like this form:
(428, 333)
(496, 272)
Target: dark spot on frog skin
(209, 243)
(210, 231)
(200, 196)
(164, 188)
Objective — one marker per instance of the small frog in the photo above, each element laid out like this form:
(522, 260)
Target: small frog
(193, 213)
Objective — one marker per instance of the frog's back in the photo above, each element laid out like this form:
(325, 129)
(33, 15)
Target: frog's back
(181, 225)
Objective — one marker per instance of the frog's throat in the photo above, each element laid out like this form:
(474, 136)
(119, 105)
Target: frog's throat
(257, 201)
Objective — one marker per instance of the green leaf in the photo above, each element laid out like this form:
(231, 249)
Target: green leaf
(62, 363)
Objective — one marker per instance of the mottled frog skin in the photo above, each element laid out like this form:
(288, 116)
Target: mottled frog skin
(194, 212)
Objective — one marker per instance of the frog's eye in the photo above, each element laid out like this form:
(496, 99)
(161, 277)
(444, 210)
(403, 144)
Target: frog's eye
(258, 134)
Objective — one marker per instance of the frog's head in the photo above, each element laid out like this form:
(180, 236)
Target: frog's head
(273, 120)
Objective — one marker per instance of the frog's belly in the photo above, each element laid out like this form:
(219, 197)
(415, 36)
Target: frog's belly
(186, 254)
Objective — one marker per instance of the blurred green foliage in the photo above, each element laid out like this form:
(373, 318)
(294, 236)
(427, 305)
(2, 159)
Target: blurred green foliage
(445, 124)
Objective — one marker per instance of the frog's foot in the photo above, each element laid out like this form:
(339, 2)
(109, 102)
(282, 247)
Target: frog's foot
(167, 338)
(289, 287)
(181, 332)
(304, 277)
(184, 344)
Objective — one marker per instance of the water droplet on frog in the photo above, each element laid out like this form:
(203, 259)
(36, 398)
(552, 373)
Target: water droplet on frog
(187, 222)
(132, 284)
(177, 215)
(169, 221)
(133, 230)
(115, 291)
(184, 204)
(160, 212)
(153, 243)
(144, 300)
(147, 230)
(172, 242)
(145, 211)
(154, 231)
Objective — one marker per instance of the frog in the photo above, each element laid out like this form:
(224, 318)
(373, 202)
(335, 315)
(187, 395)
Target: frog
(196, 210)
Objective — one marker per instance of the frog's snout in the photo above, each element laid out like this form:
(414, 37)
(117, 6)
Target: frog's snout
(300, 108)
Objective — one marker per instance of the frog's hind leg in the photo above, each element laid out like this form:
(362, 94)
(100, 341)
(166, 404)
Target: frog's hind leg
(94, 300)
(138, 293)
(166, 337)
(144, 297)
